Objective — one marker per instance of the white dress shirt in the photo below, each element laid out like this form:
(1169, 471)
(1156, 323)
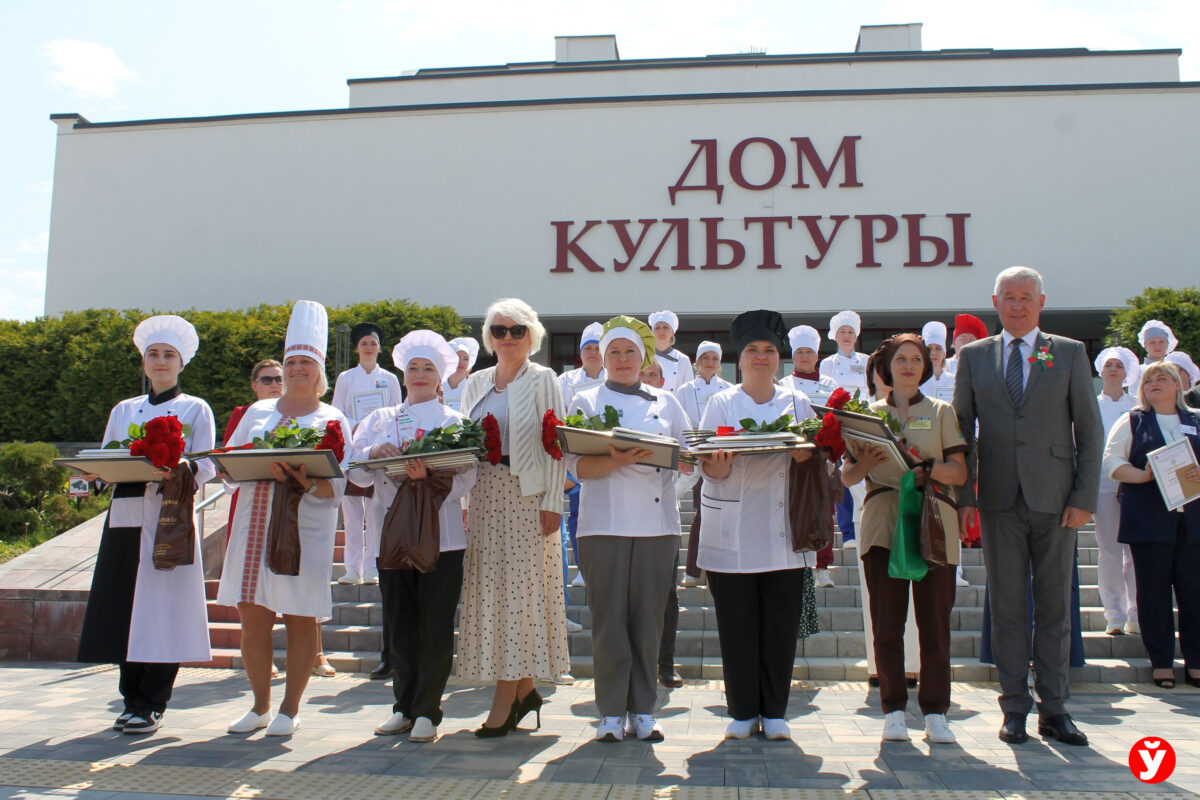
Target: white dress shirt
(695, 394)
(745, 525)
(848, 372)
(637, 500)
(399, 425)
(1028, 342)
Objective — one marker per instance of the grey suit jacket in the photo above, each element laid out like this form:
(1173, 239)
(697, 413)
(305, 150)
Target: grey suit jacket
(1050, 446)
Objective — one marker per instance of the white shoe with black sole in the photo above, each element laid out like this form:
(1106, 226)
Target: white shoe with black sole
(611, 729)
(144, 723)
(119, 722)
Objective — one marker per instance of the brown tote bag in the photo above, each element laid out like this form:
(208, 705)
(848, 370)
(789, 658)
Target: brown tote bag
(411, 537)
(933, 532)
(808, 504)
(283, 530)
(175, 539)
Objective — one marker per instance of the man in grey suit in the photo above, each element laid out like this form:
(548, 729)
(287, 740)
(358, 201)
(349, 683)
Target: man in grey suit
(1037, 459)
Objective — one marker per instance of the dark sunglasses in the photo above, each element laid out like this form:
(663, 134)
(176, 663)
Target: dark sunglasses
(501, 331)
(269, 379)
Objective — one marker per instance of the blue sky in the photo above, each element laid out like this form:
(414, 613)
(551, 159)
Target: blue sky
(125, 59)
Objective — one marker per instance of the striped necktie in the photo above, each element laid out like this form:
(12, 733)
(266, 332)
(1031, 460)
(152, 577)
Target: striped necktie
(1014, 376)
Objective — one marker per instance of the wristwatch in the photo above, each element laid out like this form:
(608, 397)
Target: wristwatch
(312, 487)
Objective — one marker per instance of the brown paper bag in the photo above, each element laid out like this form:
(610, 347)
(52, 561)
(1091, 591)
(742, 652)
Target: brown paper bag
(175, 539)
(808, 505)
(283, 529)
(411, 536)
(933, 532)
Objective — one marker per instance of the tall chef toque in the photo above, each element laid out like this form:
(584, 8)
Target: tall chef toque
(167, 329)
(308, 331)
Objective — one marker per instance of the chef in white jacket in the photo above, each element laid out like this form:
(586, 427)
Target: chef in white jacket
(467, 350)
(934, 334)
(676, 366)
(591, 373)
(144, 619)
(848, 369)
(418, 607)
(806, 376)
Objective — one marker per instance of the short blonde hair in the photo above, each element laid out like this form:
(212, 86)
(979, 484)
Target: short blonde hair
(519, 312)
(1164, 367)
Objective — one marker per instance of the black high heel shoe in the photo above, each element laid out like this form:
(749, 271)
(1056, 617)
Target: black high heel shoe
(531, 702)
(509, 724)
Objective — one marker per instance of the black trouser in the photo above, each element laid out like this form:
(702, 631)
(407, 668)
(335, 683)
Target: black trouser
(1159, 568)
(418, 611)
(758, 620)
(147, 687)
(666, 650)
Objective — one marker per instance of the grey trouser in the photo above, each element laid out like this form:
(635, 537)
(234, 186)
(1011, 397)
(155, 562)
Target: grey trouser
(1014, 541)
(628, 580)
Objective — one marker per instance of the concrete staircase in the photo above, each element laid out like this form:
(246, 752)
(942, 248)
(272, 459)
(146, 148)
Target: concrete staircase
(352, 638)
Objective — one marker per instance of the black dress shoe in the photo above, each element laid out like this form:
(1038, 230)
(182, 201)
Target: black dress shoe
(382, 672)
(670, 678)
(1013, 729)
(1062, 728)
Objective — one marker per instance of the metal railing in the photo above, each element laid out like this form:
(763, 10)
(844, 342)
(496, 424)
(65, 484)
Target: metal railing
(210, 500)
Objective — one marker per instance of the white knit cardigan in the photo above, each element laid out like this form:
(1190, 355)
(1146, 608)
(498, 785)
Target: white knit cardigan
(529, 397)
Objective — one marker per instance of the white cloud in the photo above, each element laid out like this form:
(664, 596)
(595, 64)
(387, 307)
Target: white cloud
(86, 69)
(34, 245)
(41, 187)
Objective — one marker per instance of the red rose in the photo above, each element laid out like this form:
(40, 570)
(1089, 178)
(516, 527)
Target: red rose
(839, 398)
(137, 448)
(161, 456)
(491, 439)
(550, 423)
(830, 436)
(332, 440)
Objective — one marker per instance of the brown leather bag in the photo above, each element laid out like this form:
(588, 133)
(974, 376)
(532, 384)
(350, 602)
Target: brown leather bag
(933, 532)
(808, 504)
(283, 529)
(411, 537)
(175, 538)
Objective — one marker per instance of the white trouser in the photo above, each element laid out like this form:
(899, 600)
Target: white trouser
(912, 644)
(1118, 587)
(354, 512)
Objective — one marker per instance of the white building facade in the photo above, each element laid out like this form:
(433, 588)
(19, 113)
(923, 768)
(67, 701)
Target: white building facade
(891, 180)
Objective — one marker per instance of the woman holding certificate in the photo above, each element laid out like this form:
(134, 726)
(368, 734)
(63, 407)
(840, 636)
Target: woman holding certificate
(144, 617)
(628, 535)
(249, 579)
(513, 628)
(418, 606)
(1165, 543)
(931, 428)
(758, 582)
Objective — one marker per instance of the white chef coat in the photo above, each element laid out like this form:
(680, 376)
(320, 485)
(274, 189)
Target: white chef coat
(637, 500)
(744, 526)
(1120, 440)
(169, 623)
(695, 394)
(823, 386)
(357, 380)
(675, 373)
(307, 594)
(576, 380)
(399, 425)
(451, 395)
(848, 372)
(950, 364)
(945, 380)
(1111, 411)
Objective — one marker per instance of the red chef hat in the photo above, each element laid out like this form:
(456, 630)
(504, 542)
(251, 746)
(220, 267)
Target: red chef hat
(969, 323)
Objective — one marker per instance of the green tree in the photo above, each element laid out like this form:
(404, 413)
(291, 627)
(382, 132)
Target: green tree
(1179, 308)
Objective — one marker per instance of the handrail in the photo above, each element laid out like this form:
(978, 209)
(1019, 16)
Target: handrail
(212, 498)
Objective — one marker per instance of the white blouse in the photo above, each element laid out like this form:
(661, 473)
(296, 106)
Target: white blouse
(1120, 440)
(695, 394)
(636, 500)
(745, 525)
(398, 425)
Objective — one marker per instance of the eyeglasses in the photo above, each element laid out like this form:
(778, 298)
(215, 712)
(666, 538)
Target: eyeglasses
(269, 379)
(501, 331)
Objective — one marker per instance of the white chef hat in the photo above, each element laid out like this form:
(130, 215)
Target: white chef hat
(307, 332)
(804, 336)
(425, 344)
(708, 347)
(1154, 328)
(167, 329)
(1182, 359)
(465, 344)
(846, 317)
(591, 334)
(669, 317)
(934, 332)
(1133, 369)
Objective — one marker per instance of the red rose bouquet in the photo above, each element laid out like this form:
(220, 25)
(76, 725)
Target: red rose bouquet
(333, 440)
(550, 423)
(161, 441)
(838, 399)
(491, 439)
(829, 436)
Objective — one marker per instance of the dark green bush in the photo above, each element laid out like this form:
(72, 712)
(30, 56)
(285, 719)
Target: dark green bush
(33, 500)
(1179, 308)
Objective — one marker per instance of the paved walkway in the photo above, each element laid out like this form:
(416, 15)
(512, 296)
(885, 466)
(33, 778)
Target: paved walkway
(56, 743)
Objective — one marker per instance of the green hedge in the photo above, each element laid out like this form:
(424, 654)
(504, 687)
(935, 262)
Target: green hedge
(1179, 308)
(60, 376)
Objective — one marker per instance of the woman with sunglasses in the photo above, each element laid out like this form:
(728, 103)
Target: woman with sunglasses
(512, 628)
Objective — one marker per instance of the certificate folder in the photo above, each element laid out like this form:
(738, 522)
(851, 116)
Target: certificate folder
(442, 459)
(118, 468)
(580, 442)
(255, 465)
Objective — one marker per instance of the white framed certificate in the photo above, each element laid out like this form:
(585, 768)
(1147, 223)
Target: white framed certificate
(363, 403)
(944, 393)
(1169, 464)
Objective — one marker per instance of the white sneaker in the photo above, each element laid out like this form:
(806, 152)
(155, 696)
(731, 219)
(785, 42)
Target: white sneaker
(143, 723)
(959, 580)
(573, 626)
(566, 679)
(371, 576)
(850, 544)
(578, 580)
(776, 729)
(351, 576)
(283, 725)
(612, 729)
(1133, 629)
(689, 582)
(894, 727)
(824, 579)
(645, 727)
(423, 730)
(397, 724)
(249, 722)
(937, 730)
(741, 728)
